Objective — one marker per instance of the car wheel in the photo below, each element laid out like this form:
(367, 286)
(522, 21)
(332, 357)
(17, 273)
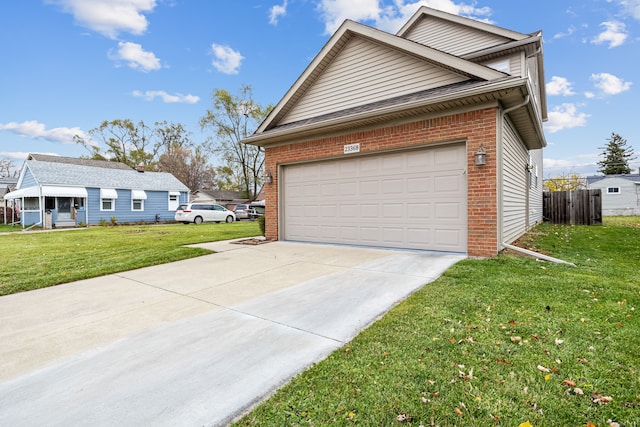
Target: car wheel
(197, 220)
(229, 219)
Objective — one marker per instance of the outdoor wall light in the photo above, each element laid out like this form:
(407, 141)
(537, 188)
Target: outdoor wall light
(268, 178)
(481, 156)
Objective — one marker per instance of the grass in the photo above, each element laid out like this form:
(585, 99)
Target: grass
(4, 228)
(37, 260)
(495, 342)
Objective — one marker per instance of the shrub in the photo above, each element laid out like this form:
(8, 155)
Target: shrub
(262, 224)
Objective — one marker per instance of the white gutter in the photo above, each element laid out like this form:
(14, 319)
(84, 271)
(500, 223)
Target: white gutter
(537, 255)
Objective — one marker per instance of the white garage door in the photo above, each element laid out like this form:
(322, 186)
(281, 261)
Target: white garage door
(411, 199)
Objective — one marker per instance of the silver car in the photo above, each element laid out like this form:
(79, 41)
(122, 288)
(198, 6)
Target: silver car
(203, 212)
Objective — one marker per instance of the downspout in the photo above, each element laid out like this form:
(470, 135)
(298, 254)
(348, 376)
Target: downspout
(537, 255)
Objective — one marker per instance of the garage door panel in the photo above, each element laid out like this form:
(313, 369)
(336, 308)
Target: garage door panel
(412, 199)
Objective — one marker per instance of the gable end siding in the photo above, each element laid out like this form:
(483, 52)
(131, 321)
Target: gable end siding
(28, 180)
(365, 72)
(451, 37)
(515, 158)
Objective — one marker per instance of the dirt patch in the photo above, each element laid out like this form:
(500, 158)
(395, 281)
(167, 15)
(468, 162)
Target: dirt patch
(252, 241)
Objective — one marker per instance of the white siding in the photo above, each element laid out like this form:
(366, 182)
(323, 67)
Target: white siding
(413, 199)
(365, 72)
(451, 37)
(515, 158)
(626, 201)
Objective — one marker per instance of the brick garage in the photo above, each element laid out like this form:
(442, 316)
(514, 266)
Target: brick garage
(475, 128)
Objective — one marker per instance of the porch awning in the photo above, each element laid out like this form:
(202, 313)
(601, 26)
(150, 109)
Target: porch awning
(108, 193)
(174, 193)
(138, 195)
(64, 191)
(23, 192)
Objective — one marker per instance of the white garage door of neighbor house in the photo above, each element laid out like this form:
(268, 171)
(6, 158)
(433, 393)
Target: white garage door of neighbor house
(413, 199)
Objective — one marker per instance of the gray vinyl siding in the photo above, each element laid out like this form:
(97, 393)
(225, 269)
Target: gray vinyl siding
(515, 158)
(451, 37)
(625, 202)
(365, 72)
(532, 72)
(536, 188)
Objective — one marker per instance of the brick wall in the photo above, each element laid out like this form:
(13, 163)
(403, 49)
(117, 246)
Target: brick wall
(476, 127)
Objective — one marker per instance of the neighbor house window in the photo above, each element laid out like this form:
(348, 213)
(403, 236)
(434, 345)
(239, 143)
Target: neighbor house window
(108, 198)
(137, 200)
(137, 205)
(31, 203)
(613, 190)
(107, 205)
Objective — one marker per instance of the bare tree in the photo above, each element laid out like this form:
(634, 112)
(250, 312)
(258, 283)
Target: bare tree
(8, 169)
(232, 118)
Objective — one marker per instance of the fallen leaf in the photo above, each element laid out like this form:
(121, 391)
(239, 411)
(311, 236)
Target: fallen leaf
(569, 383)
(504, 362)
(578, 391)
(458, 411)
(543, 369)
(535, 337)
(591, 425)
(512, 322)
(600, 399)
(583, 360)
(403, 417)
(525, 424)
(351, 415)
(612, 423)
(547, 377)
(559, 341)
(516, 339)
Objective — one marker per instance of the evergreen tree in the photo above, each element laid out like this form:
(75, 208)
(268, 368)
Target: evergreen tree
(616, 156)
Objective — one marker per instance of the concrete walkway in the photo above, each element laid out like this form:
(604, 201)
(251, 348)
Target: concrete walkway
(196, 342)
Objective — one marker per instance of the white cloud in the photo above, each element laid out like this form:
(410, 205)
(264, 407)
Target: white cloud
(610, 84)
(226, 60)
(34, 129)
(632, 7)
(559, 86)
(565, 116)
(18, 156)
(615, 34)
(110, 17)
(276, 12)
(570, 31)
(136, 57)
(389, 18)
(177, 98)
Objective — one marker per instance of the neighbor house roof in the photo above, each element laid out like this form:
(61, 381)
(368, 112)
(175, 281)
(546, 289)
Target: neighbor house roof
(80, 175)
(631, 177)
(78, 161)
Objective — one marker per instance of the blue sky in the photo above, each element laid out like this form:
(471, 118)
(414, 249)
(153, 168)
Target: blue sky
(68, 65)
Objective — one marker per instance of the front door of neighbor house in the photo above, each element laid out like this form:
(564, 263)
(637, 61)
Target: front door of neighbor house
(64, 206)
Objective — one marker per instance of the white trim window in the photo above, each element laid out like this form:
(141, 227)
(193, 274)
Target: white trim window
(108, 198)
(613, 190)
(137, 200)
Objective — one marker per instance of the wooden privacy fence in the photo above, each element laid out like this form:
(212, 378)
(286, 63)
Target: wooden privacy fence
(578, 207)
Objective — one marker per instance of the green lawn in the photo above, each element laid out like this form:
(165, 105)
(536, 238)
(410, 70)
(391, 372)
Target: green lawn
(37, 260)
(496, 342)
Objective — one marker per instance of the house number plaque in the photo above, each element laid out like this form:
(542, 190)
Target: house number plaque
(351, 148)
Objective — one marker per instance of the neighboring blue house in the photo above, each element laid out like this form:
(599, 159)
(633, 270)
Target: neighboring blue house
(67, 192)
(620, 193)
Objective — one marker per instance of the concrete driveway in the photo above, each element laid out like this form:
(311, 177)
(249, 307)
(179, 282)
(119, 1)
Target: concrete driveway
(196, 342)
